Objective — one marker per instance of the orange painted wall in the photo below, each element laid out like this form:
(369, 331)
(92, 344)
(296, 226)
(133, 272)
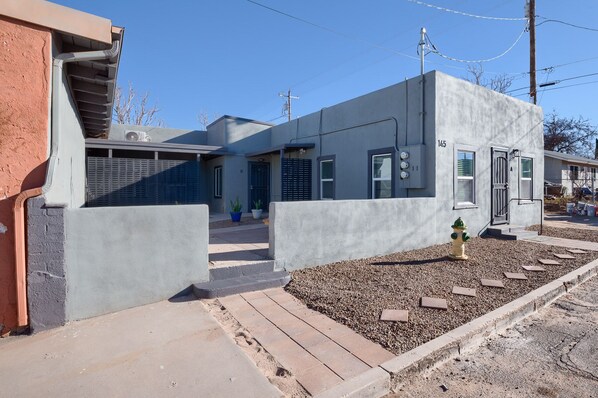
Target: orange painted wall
(25, 65)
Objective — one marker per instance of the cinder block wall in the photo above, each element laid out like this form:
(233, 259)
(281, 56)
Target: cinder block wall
(46, 279)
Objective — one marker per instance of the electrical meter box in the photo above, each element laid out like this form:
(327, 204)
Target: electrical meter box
(411, 161)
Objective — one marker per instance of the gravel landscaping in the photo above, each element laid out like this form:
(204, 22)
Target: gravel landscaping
(588, 235)
(355, 292)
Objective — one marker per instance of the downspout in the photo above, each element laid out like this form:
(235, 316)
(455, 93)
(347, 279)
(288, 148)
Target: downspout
(19, 207)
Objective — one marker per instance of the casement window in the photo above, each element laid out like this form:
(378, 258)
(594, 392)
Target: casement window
(327, 178)
(465, 184)
(526, 178)
(574, 172)
(381, 174)
(218, 181)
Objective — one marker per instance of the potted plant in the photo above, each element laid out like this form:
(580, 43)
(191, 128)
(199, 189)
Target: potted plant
(235, 210)
(257, 209)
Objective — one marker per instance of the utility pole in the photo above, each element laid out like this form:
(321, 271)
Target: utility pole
(422, 44)
(531, 14)
(287, 105)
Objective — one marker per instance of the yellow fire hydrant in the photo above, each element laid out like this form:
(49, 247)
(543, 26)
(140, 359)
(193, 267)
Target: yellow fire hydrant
(459, 237)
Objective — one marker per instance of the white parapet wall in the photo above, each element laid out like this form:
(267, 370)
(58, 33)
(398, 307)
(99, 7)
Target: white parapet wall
(306, 234)
(122, 257)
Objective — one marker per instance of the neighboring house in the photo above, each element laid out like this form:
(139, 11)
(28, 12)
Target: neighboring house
(475, 149)
(61, 261)
(570, 171)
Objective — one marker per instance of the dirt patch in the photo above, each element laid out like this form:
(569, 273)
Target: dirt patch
(589, 235)
(229, 223)
(280, 377)
(354, 293)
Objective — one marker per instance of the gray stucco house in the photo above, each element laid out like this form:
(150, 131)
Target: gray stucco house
(478, 152)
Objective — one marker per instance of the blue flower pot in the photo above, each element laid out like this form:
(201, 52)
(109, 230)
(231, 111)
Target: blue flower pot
(235, 216)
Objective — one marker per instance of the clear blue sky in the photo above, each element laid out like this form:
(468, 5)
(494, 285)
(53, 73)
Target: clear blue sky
(234, 57)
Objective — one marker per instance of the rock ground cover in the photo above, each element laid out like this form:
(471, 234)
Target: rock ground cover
(355, 292)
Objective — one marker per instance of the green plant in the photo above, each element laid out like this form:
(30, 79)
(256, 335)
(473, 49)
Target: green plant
(236, 206)
(257, 204)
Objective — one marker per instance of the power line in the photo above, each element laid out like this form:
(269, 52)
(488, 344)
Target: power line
(566, 23)
(554, 82)
(434, 50)
(558, 88)
(464, 13)
(336, 32)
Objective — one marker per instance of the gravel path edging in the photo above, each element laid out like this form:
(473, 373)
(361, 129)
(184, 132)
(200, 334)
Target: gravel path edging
(470, 335)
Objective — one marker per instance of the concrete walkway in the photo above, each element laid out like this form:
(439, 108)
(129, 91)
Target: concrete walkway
(238, 245)
(562, 242)
(318, 351)
(164, 349)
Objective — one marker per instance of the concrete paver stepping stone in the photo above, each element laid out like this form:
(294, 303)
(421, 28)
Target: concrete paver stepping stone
(547, 261)
(395, 315)
(564, 256)
(515, 275)
(464, 291)
(576, 251)
(434, 302)
(533, 268)
(492, 283)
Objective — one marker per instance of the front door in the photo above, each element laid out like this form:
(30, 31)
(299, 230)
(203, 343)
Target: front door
(259, 184)
(500, 186)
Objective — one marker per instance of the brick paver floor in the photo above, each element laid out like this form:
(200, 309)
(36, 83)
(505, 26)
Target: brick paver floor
(318, 351)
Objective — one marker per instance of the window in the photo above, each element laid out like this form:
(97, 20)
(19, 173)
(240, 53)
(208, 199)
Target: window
(574, 172)
(593, 173)
(381, 172)
(327, 178)
(526, 178)
(218, 181)
(465, 178)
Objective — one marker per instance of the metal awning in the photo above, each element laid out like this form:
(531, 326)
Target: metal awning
(93, 82)
(283, 148)
(155, 147)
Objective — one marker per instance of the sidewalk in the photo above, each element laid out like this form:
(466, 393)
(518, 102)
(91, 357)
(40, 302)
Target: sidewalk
(241, 245)
(167, 349)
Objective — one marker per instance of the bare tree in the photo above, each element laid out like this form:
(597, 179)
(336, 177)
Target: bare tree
(128, 109)
(499, 83)
(574, 136)
(204, 119)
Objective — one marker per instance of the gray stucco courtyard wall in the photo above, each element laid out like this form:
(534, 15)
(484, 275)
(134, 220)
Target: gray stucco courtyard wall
(305, 234)
(118, 258)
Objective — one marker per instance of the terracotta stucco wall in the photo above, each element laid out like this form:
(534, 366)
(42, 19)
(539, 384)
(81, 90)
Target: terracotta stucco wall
(25, 65)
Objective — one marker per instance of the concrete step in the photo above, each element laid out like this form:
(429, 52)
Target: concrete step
(518, 235)
(241, 270)
(241, 284)
(510, 232)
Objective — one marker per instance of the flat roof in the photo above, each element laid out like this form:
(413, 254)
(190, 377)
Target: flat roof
(284, 147)
(154, 146)
(570, 158)
(240, 118)
(59, 18)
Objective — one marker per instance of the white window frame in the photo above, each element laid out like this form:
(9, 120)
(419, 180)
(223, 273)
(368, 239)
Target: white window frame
(465, 205)
(218, 182)
(521, 178)
(571, 172)
(374, 179)
(322, 180)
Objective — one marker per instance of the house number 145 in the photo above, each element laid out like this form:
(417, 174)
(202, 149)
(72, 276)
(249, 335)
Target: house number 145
(442, 143)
